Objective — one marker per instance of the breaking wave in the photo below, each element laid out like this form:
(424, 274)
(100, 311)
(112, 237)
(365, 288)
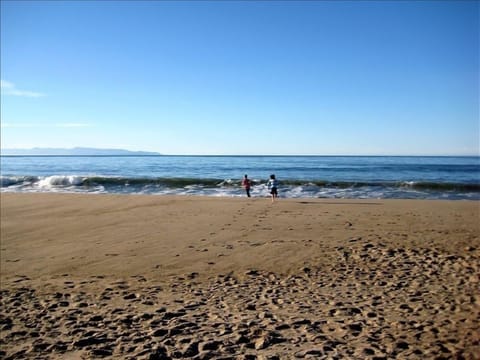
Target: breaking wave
(232, 187)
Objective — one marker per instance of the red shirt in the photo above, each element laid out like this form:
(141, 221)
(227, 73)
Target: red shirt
(246, 183)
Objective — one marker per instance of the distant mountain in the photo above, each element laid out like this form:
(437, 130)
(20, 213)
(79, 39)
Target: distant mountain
(77, 151)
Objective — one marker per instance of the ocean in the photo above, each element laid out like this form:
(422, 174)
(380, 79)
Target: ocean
(361, 177)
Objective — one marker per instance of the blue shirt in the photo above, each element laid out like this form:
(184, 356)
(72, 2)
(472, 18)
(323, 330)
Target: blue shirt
(272, 183)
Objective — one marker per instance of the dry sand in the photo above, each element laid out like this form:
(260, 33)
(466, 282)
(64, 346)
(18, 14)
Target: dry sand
(150, 277)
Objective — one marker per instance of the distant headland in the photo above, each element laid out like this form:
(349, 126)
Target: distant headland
(76, 151)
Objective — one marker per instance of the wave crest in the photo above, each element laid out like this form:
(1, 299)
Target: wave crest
(61, 180)
(232, 187)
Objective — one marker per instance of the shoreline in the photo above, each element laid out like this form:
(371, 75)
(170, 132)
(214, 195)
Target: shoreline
(297, 278)
(227, 188)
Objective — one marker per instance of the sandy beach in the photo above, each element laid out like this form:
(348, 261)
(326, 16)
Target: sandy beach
(165, 277)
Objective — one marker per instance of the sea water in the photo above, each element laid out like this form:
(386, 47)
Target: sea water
(299, 176)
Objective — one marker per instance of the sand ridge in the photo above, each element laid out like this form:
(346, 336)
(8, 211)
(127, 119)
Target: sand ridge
(188, 277)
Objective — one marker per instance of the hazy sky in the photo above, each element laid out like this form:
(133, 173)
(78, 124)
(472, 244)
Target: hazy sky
(242, 77)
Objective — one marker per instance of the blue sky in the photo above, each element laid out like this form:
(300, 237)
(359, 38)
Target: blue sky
(242, 77)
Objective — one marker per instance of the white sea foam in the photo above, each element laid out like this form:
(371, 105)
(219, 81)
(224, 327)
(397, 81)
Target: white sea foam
(60, 180)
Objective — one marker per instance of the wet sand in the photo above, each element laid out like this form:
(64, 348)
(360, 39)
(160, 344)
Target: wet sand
(155, 277)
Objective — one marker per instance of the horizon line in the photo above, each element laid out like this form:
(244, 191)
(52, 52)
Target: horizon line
(157, 153)
(236, 155)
